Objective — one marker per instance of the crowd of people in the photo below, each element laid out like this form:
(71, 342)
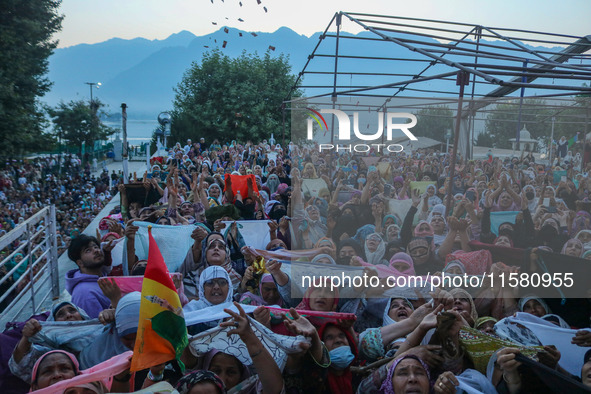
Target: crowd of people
(29, 185)
(250, 219)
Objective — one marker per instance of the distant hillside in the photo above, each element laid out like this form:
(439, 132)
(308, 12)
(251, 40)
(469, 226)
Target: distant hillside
(143, 73)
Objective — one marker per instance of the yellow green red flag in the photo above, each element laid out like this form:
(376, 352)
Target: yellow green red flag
(162, 333)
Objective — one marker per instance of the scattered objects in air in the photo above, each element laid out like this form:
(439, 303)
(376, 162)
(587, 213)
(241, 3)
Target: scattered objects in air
(258, 1)
(254, 34)
(240, 34)
(238, 3)
(224, 44)
(240, 20)
(226, 30)
(214, 23)
(271, 47)
(265, 8)
(205, 46)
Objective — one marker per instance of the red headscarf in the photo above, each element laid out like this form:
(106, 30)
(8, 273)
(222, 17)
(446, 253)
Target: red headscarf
(342, 384)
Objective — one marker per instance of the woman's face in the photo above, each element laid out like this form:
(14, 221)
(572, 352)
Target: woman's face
(462, 305)
(487, 327)
(401, 266)
(399, 310)
(68, 313)
(270, 293)
(214, 192)
(454, 270)
(419, 252)
(216, 290)
(52, 369)
(503, 241)
(313, 213)
(393, 232)
(573, 248)
(216, 250)
(410, 377)
(322, 300)
(535, 308)
(372, 243)
(424, 227)
(228, 368)
(333, 337)
(548, 193)
(505, 200)
(324, 260)
(204, 387)
(438, 224)
(586, 374)
(431, 191)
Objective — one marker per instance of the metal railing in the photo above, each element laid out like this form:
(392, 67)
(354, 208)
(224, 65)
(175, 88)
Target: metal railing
(37, 243)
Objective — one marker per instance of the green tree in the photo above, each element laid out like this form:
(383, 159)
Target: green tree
(485, 139)
(433, 122)
(76, 123)
(26, 28)
(536, 115)
(232, 99)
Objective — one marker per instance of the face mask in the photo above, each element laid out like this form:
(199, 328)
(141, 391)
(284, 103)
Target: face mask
(278, 214)
(341, 357)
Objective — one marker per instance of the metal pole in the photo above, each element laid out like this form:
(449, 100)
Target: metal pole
(336, 63)
(53, 255)
(124, 153)
(31, 262)
(588, 102)
(283, 116)
(551, 141)
(524, 80)
(462, 80)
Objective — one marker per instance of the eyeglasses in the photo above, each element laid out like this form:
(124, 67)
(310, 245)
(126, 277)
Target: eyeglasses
(217, 243)
(221, 282)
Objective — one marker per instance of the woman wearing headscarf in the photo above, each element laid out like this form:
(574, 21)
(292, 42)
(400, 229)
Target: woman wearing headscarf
(226, 364)
(267, 293)
(432, 198)
(375, 249)
(312, 227)
(212, 251)
(273, 183)
(214, 195)
(397, 323)
(53, 367)
(201, 380)
(342, 348)
(585, 237)
(26, 353)
(464, 304)
(533, 305)
(573, 247)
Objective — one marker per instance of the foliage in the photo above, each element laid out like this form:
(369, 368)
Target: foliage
(232, 99)
(536, 115)
(76, 123)
(25, 45)
(485, 139)
(433, 122)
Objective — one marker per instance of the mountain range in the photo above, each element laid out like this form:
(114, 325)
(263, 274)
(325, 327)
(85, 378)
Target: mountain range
(143, 73)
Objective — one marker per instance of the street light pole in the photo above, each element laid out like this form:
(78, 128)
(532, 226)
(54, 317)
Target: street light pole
(91, 85)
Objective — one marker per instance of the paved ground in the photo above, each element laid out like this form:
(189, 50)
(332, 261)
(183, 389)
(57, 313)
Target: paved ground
(133, 166)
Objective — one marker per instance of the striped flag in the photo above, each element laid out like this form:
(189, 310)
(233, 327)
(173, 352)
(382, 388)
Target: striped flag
(573, 140)
(162, 333)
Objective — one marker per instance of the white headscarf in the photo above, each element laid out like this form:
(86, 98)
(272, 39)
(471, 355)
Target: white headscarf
(376, 257)
(214, 272)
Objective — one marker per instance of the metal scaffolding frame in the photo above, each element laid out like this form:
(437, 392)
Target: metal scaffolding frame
(433, 57)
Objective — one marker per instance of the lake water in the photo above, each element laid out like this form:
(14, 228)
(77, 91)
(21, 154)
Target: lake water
(138, 131)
